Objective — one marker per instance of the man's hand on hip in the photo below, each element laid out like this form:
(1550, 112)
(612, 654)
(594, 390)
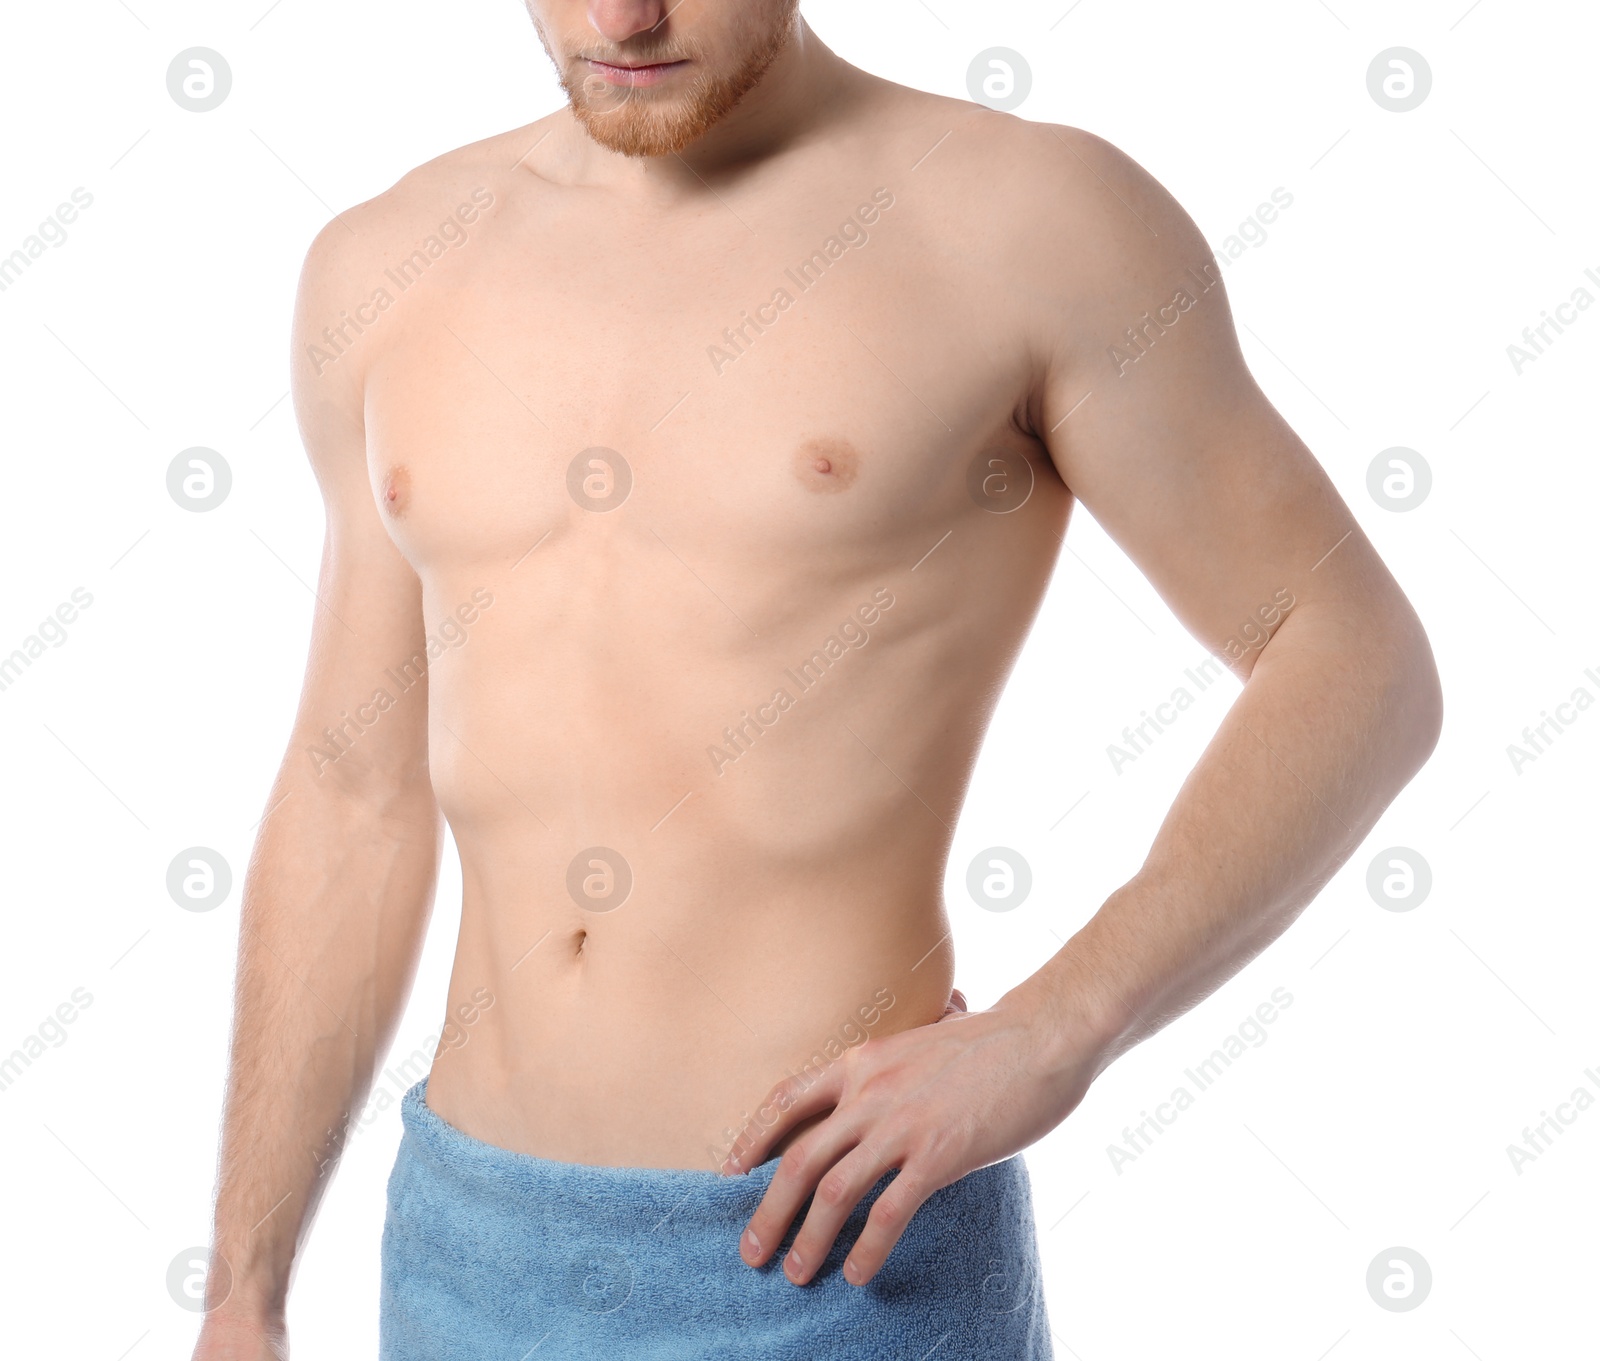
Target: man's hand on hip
(937, 1102)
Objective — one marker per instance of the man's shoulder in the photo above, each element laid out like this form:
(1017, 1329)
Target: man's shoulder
(488, 161)
(972, 146)
(455, 187)
(1058, 210)
(1003, 178)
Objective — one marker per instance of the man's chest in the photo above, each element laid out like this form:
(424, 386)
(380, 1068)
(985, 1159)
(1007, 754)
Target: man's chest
(805, 383)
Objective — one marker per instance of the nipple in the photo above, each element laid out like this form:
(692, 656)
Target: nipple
(826, 465)
(396, 492)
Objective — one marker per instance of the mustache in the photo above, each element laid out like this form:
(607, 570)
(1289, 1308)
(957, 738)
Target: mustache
(643, 53)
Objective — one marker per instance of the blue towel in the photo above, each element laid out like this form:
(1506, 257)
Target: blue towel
(492, 1255)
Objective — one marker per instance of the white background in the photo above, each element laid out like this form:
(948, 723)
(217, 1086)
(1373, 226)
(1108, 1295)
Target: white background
(1377, 313)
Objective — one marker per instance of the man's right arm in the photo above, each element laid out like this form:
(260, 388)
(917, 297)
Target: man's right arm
(340, 884)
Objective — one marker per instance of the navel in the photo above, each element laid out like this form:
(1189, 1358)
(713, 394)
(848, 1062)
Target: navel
(826, 465)
(396, 493)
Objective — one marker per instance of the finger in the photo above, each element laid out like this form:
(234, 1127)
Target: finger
(804, 1163)
(794, 1099)
(837, 1194)
(886, 1221)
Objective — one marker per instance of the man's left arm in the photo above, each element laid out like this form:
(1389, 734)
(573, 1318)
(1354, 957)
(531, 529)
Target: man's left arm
(1150, 414)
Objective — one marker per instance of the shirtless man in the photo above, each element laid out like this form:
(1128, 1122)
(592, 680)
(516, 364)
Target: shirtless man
(695, 459)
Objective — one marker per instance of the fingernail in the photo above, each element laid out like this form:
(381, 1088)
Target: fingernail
(792, 1267)
(751, 1244)
(851, 1274)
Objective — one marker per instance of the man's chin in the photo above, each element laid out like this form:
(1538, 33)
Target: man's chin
(652, 122)
(637, 131)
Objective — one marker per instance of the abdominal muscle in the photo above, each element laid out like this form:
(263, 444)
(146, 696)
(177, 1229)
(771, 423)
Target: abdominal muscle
(647, 1034)
(779, 907)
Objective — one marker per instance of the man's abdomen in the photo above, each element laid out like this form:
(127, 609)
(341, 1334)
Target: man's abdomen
(643, 1033)
(703, 830)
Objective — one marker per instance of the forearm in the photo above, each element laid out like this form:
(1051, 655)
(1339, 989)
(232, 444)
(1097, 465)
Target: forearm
(1339, 712)
(335, 906)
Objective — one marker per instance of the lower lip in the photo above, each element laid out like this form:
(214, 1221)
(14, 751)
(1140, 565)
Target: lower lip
(635, 75)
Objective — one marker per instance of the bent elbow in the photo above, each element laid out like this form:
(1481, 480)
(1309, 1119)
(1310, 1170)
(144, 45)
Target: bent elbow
(1414, 699)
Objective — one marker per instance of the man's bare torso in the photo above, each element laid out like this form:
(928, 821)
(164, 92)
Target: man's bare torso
(731, 500)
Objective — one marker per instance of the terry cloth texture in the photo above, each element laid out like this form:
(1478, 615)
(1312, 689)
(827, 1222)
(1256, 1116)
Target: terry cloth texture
(493, 1255)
